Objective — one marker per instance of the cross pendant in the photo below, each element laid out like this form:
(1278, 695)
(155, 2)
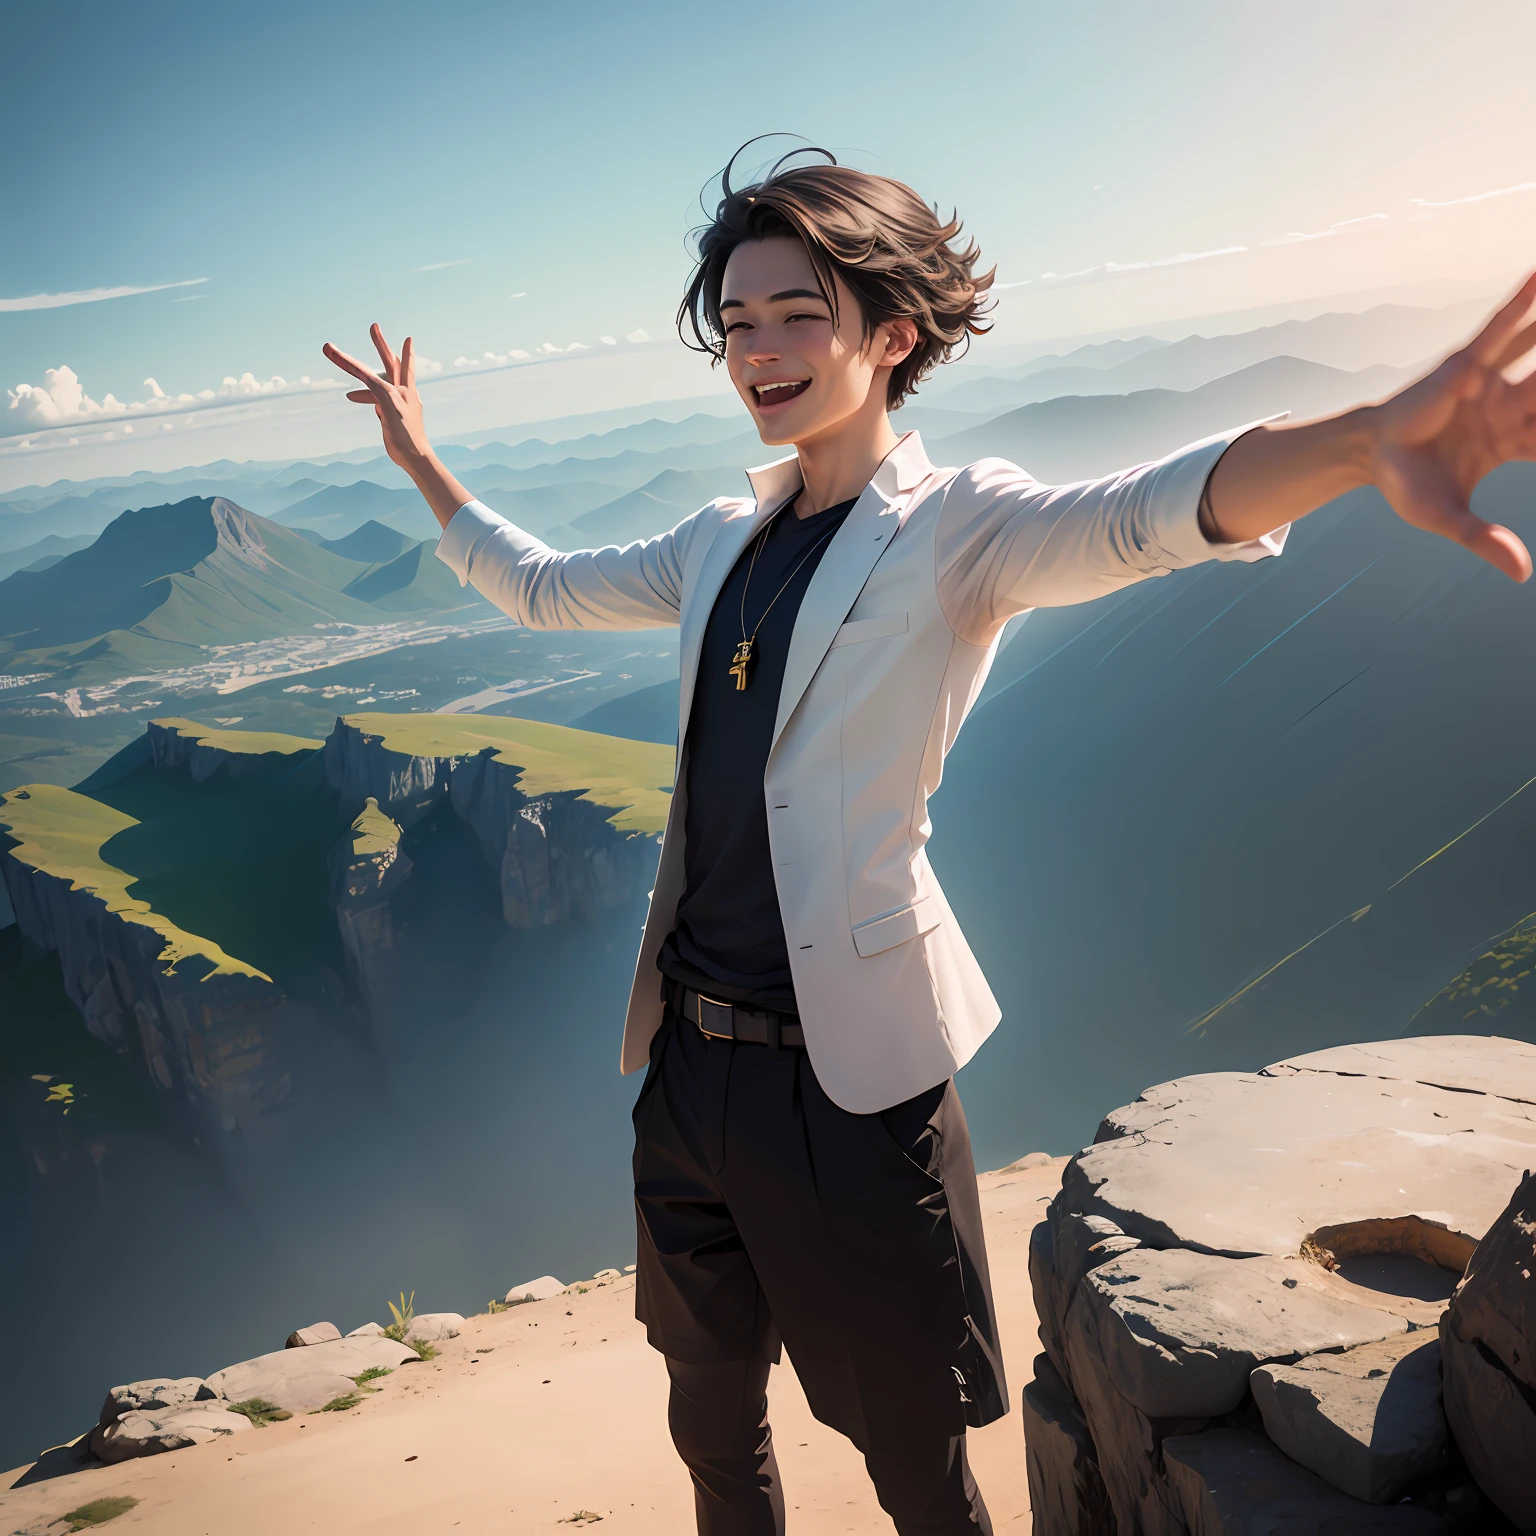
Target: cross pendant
(742, 661)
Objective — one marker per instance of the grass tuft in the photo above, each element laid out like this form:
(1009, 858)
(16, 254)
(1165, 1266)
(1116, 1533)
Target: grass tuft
(372, 1374)
(260, 1412)
(99, 1511)
(341, 1404)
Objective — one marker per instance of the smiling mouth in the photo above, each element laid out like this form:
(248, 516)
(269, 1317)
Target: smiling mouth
(777, 394)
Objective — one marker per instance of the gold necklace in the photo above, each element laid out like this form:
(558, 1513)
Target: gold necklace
(746, 649)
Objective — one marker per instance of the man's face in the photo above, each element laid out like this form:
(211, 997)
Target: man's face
(799, 374)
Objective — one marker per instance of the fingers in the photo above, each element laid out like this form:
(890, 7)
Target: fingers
(362, 396)
(1507, 323)
(407, 365)
(352, 366)
(1518, 359)
(1489, 541)
(391, 363)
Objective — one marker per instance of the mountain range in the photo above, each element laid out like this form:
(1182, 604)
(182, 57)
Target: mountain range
(163, 581)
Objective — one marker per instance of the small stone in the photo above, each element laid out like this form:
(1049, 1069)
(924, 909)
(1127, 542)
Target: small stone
(316, 1333)
(1030, 1160)
(629, 1269)
(536, 1290)
(434, 1327)
(367, 1331)
(607, 1274)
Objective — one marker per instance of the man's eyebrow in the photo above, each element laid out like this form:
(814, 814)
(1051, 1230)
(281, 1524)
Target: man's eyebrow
(775, 298)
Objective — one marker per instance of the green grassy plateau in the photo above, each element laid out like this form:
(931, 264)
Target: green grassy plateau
(627, 776)
(62, 834)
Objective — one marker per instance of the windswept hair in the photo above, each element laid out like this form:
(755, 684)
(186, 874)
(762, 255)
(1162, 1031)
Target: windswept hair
(896, 255)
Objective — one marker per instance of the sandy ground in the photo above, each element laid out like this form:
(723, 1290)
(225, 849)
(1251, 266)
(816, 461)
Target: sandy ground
(564, 1412)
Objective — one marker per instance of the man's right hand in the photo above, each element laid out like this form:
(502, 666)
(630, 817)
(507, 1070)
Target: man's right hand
(397, 404)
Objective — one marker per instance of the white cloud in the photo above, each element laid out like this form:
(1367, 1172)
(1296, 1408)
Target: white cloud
(426, 366)
(61, 399)
(522, 295)
(442, 266)
(637, 337)
(1476, 197)
(608, 341)
(577, 346)
(89, 295)
(547, 349)
(1298, 237)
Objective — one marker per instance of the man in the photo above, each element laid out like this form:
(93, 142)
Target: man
(802, 1168)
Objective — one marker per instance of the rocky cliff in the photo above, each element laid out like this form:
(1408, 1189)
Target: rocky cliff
(211, 1030)
(559, 852)
(368, 868)
(203, 750)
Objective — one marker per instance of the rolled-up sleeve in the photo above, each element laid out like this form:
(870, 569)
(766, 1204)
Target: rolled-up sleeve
(636, 586)
(1007, 543)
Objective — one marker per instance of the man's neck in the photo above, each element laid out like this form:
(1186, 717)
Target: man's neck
(837, 464)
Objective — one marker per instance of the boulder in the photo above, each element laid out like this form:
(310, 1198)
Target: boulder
(1180, 1332)
(156, 1394)
(1030, 1160)
(304, 1379)
(1230, 1482)
(316, 1333)
(146, 1432)
(535, 1290)
(1066, 1492)
(1488, 1345)
(1233, 1221)
(1368, 1421)
(434, 1327)
(1245, 1163)
(367, 1331)
(608, 1274)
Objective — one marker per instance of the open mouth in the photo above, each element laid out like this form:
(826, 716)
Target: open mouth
(778, 393)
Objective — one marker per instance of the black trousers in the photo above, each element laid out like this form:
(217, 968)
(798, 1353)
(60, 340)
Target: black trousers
(767, 1215)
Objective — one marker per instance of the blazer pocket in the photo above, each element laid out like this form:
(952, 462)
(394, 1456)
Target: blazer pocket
(877, 628)
(882, 933)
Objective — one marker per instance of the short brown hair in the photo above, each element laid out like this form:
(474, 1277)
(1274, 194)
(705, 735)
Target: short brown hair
(888, 245)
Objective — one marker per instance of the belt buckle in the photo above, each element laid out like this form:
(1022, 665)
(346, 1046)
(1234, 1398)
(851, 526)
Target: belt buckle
(713, 1002)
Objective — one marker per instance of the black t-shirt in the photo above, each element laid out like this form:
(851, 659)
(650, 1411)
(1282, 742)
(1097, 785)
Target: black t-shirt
(729, 940)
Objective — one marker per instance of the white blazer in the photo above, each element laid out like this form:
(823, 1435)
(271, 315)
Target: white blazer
(892, 644)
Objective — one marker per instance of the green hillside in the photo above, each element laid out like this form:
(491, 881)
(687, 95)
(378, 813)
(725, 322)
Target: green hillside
(250, 743)
(628, 776)
(63, 834)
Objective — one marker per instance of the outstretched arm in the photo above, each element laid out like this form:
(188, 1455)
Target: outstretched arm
(395, 401)
(636, 587)
(1425, 449)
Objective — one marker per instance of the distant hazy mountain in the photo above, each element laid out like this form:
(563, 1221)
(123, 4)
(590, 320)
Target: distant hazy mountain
(44, 552)
(335, 510)
(201, 572)
(539, 507)
(1394, 335)
(371, 541)
(415, 581)
(645, 437)
(1078, 435)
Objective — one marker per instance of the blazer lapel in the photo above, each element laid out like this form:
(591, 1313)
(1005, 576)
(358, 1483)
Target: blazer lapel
(858, 544)
(771, 484)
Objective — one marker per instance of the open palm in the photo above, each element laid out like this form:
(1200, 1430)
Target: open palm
(1439, 437)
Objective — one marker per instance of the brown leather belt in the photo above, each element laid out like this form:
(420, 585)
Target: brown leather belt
(727, 1021)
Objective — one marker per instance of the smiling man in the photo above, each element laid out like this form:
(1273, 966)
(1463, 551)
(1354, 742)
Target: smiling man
(803, 997)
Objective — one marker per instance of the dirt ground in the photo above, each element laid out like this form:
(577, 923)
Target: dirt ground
(564, 1416)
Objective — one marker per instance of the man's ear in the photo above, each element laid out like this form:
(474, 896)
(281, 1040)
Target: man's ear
(900, 339)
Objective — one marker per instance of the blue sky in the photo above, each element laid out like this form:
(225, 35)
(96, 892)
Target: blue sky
(318, 166)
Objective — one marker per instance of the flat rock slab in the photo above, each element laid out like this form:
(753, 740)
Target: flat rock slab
(148, 1432)
(1468, 1063)
(1367, 1421)
(1228, 1482)
(1255, 1163)
(1179, 1332)
(304, 1379)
